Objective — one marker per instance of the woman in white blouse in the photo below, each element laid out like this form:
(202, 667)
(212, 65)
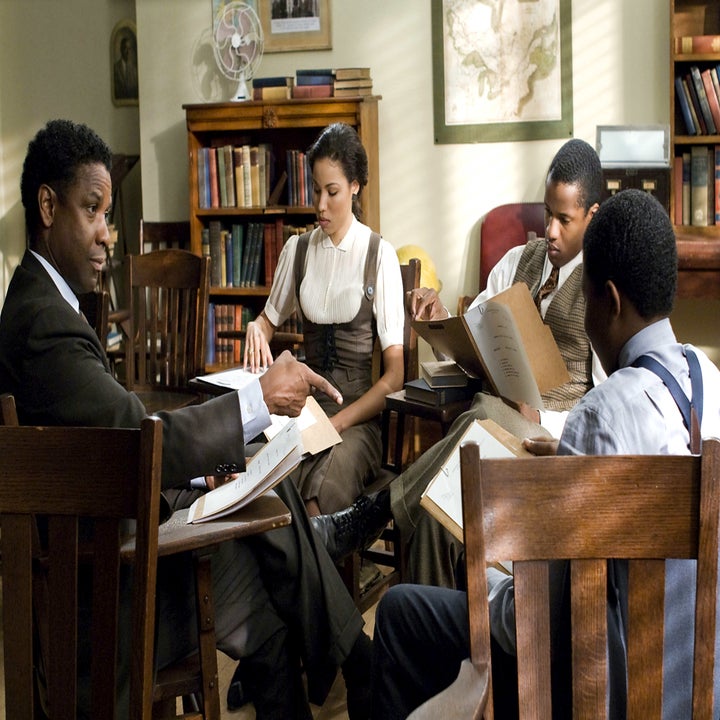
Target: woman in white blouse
(344, 282)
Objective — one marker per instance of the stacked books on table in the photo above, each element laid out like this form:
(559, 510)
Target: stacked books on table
(329, 82)
(441, 382)
(273, 88)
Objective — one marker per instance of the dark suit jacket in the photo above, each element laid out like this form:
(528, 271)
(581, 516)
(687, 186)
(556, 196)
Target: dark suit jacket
(52, 362)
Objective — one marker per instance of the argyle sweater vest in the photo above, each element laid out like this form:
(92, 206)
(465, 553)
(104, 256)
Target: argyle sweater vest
(565, 318)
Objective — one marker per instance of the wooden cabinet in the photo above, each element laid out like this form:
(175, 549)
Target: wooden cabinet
(283, 126)
(698, 246)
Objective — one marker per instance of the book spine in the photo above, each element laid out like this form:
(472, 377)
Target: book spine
(254, 177)
(202, 160)
(684, 107)
(222, 177)
(712, 98)
(213, 177)
(702, 97)
(237, 240)
(239, 174)
(309, 72)
(229, 175)
(686, 212)
(215, 253)
(699, 185)
(246, 255)
(352, 73)
(678, 188)
(312, 91)
(695, 102)
(273, 92)
(686, 44)
(314, 80)
(268, 245)
(246, 176)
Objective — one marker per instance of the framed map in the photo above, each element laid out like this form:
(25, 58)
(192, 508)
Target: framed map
(502, 70)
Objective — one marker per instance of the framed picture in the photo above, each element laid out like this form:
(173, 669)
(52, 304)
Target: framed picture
(123, 62)
(290, 25)
(501, 73)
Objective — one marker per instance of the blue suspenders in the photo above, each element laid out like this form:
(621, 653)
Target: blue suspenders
(691, 409)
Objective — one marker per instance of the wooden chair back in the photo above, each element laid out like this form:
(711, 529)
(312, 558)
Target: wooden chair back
(587, 509)
(96, 308)
(395, 447)
(72, 477)
(168, 291)
(161, 235)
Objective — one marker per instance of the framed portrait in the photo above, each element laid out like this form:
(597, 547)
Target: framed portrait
(501, 72)
(290, 25)
(123, 64)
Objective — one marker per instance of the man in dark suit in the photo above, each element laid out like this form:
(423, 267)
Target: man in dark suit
(279, 598)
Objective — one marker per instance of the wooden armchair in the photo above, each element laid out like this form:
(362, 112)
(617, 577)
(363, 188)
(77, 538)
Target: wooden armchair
(74, 476)
(585, 509)
(503, 228)
(165, 347)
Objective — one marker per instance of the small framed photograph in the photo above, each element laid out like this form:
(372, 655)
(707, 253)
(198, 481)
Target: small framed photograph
(123, 63)
(290, 25)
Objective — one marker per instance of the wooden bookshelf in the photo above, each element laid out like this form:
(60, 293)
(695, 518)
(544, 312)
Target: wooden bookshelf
(698, 246)
(284, 125)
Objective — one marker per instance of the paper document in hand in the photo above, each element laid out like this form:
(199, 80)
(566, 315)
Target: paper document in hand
(235, 379)
(504, 341)
(316, 430)
(443, 495)
(266, 469)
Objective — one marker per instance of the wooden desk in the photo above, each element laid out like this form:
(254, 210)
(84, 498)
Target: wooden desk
(396, 402)
(698, 266)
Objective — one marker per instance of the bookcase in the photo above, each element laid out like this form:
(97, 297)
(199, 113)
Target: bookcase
(693, 52)
(281, 128)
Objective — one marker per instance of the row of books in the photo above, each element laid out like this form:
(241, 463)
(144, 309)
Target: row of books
(242, 176)
(224, 317)
(245, 255)
(688, 44)
(697, 186)
(314, 83)
(698, 94)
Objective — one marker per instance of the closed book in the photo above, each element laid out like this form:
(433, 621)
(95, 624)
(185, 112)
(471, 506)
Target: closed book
(684, 107)
(352, 92)
(314, 80)
(247, 185)
(247, 249)
(238, 236)
(699, 185)
(227, 240)
(312, 91)
(304, 72)
(691, 105)
(268, 249)
(272, 92)
(227, 151)
(222, 177)
(216, 252)
(698, 117)
(419, 391)
(203, 196)
(213, 175)
(712, 98)
(697, 44)
(351, 73)
(275, 81)
(254, 177)
(686, 212)
(357, 83)
(702, 96)
(256, 260)
(443, 373)
(677, 188)
(239, 177)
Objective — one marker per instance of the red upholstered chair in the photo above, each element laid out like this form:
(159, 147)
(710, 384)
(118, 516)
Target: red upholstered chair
(503, 228)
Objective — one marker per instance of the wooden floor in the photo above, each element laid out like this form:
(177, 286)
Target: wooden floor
(334, 708)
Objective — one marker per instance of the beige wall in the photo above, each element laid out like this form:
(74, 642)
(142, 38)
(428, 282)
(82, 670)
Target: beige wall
(431, 195)
(55, 63)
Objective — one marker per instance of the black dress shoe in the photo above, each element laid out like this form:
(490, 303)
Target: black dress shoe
(237, 695)
(356, 527)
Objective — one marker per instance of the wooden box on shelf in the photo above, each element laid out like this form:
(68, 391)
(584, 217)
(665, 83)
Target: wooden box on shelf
(247, 169)
(694, 205)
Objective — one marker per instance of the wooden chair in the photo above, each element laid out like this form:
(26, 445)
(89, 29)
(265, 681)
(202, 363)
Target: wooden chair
(96, 307)
(503, 228)
(73, 476)
(165, 348)
(585, 509)
(394, 449)
(162, 235)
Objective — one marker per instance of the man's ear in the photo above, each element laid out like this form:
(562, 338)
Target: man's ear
(46, 203)
(614, 298)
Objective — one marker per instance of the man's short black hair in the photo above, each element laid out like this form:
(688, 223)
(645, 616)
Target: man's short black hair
(53, 157)
(631, 241)
(577, 163)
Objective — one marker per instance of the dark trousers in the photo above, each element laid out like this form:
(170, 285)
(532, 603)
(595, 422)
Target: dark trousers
(421, 637)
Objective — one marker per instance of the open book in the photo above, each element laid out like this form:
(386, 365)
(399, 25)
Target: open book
(316, 430)
(443, 495)
(265, 469)
(504, 341)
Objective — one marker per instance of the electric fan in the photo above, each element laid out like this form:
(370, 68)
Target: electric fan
(238, 44)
